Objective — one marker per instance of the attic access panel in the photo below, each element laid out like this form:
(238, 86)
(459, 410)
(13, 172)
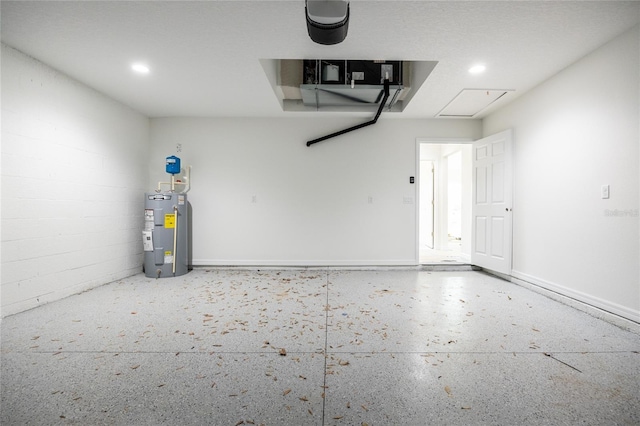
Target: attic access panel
(470, 102)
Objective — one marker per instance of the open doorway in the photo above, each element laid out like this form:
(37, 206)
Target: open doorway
(444, 182)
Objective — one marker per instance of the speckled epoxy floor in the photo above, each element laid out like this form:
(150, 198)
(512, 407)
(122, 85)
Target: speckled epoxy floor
(316, 347)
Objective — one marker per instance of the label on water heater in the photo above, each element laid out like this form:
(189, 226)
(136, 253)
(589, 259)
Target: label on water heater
(168, 258)
(147, 240)
(169, 220)
(181, 200)
(159, 197)
(148, 219)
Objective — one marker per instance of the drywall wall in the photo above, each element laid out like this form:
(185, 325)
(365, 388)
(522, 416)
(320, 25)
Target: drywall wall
(260, 196)
(573, 134)
(74, 167)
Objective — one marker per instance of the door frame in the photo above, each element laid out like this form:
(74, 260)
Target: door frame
(434, 141)
(432, 180)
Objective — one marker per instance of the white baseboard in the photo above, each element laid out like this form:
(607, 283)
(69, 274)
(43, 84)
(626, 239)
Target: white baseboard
(604, 309)
(301, 263)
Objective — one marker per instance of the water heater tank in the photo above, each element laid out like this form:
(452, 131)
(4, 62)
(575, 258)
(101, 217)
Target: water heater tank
(165, 236)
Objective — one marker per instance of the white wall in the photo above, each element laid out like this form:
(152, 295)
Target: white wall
(73, 173)
(574, 133)
(311, 203)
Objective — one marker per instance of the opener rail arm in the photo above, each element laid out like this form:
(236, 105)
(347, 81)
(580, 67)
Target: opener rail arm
(359, 126)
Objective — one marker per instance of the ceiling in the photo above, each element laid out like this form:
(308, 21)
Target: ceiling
(206, 57)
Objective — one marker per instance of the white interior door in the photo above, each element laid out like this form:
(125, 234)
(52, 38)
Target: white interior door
(492, 202)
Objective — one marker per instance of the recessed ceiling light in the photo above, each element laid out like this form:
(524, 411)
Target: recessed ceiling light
(477, 69)
(140, 68)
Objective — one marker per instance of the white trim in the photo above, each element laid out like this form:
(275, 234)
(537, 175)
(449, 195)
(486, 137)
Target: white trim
(315, 268)
(454, 141)
(302, 263)
(433, 141)
(416, 196)
(600, 308)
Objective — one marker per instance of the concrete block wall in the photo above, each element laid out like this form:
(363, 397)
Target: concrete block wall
(74, 170)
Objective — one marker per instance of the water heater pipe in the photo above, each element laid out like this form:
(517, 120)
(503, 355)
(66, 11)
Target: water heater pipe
(162, 183)
(188, 180)
(359, 126)
(175, 238)
(173, 183)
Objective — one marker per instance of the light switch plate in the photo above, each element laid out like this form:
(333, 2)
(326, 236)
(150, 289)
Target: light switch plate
(605, 192)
